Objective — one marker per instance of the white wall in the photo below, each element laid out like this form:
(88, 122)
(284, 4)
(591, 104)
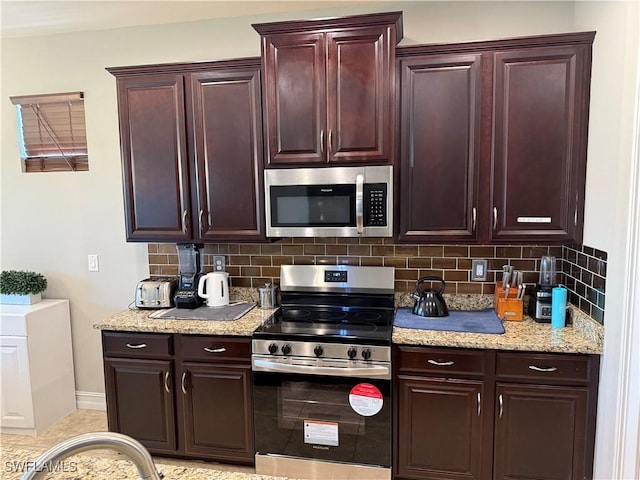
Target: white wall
(50, 222)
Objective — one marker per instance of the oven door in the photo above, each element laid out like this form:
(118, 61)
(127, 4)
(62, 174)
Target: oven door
(323, 417)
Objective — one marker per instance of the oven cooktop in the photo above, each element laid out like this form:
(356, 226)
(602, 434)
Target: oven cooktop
(329, 325)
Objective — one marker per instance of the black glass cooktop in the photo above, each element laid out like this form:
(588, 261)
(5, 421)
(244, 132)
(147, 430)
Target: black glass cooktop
(329, 325)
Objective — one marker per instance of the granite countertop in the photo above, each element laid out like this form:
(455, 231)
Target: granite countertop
(139, 321)
(97, 465)
(584, 335)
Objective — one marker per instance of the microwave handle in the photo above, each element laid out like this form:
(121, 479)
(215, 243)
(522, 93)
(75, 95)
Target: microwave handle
(359, 203)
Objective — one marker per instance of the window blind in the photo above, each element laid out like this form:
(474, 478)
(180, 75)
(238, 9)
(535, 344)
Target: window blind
(52, 132)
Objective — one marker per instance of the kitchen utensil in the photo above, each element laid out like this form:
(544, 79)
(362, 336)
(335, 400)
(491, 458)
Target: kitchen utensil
(428, 302)
(155, 292)
(216, 285)
(547, 271)
(189, 274)
(267, 296)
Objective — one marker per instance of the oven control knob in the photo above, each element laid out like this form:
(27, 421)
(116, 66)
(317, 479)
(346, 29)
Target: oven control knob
(318, 350)
(366, 354)
(352, 352)
(273, 348)
(286, 349)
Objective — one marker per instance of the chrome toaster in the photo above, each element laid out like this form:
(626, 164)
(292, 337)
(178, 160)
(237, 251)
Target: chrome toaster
(156, 292)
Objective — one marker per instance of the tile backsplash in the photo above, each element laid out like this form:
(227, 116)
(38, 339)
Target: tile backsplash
(584, 273)
(581, 268)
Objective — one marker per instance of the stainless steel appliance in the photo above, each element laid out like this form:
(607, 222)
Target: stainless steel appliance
(322, 375)
(155, 292)
(329, 202)
(189, 273)
(540, 304)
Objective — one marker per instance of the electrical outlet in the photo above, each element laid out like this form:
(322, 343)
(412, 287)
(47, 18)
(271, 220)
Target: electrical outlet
(479, 270)
(218, 263)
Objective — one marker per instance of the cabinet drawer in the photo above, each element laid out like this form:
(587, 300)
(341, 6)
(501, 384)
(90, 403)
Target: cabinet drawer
(210, 348)
(544, 367)
(441, 361)
(142, 345)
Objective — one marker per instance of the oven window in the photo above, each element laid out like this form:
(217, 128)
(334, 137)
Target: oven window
(313, 206)
(311, 417)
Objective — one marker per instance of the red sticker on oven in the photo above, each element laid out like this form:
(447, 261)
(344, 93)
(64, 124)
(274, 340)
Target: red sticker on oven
(365, 399)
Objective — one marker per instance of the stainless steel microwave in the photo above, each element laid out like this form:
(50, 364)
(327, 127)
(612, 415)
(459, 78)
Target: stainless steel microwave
(329, 202)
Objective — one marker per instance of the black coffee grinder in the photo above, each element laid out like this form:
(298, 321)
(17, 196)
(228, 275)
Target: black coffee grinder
(540, 304)
(189, 273)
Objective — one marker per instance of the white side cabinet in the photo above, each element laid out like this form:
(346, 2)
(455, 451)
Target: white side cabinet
(37, 385)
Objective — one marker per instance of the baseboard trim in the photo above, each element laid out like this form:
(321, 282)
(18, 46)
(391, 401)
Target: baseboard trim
(91, 400)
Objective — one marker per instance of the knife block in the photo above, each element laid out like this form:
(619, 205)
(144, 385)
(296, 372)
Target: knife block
(509, 308)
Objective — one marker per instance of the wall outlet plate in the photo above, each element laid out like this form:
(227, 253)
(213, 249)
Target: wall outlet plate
(479, 270)
(218, 263)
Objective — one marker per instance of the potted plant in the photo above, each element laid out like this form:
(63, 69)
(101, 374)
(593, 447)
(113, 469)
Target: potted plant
(21, 287)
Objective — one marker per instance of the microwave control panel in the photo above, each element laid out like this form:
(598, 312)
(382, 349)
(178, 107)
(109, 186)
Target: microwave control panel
(375, 204)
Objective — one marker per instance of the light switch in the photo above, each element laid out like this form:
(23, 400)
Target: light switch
(92, 260)
(479, 270)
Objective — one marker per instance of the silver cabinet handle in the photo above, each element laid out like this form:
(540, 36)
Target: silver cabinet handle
(473, 219)
(478, 398)
(166, 382)
(215, 350)
(140, 345)
(330, 142)
(359, 203)
(322, 141)
(200, 220)
(501, 404)
(542, 369)
(440, 363)
(184, 221)
(575, 217)
(495, 217)
(182, 384)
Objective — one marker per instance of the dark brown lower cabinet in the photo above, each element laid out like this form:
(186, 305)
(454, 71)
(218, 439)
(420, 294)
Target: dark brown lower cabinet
(540, 432)
(216, 415)
(181, 395)
(474, 414)
(451, 446)
(139, 404)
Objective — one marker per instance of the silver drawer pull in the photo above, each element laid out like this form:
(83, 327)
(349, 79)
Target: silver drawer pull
(501, 405)
(140, 345)
(215, 350)
(440, 363)
(479, 400)
(542, 369)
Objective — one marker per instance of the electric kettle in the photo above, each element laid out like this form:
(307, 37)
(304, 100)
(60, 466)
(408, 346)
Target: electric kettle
(428, 302)
(216, 285)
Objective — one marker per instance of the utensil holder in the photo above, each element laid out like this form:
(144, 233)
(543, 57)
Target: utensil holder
(509, 308)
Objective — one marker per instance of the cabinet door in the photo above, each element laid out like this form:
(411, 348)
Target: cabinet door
(140, 401)
(217, 411)
(539, 143)
(360, 97)
(540, 432)
(439, 429)
(439, 147)
(16, 402)
(154, 158)
(226, 113)
(295, 98)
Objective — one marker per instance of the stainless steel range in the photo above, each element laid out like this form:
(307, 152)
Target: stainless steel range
(322, 375)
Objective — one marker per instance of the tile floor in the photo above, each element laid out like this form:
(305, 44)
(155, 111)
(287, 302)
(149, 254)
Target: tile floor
(84, 421)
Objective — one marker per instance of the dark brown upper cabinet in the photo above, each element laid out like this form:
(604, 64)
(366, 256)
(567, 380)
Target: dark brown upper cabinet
(191, 144)
(493, 139)
(329, 90)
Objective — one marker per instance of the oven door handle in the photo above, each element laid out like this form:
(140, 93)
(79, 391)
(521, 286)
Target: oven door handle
(370, 371)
